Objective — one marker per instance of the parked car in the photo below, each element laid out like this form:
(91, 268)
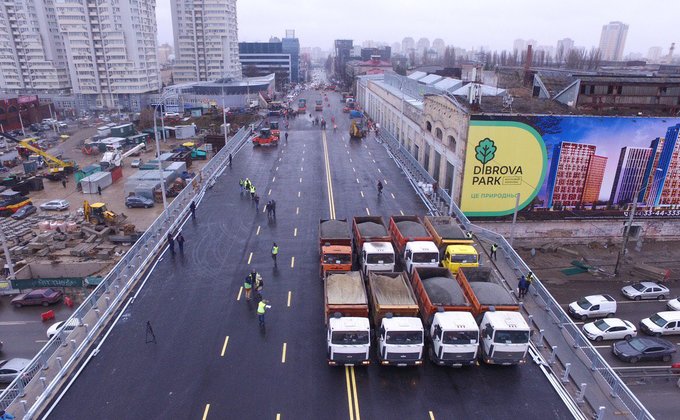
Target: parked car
(10, 369)
(644, 348)
(661, 323)
(70, 326)
(136, 163)
(674, 304)
(645, 290)
(24, 212)
(44, 297)
(609, 329)
(138, 201)
(58, 205)
(594, 306)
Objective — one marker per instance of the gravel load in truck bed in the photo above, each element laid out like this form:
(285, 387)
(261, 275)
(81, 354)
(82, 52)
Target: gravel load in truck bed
(391, 290)
(412, 229)
(370, 229)
(334, 229)
(444, 291)
(345, 289)
(447, 230)
(491, 294)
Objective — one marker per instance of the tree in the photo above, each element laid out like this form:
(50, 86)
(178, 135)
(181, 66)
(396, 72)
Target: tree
(145, 119)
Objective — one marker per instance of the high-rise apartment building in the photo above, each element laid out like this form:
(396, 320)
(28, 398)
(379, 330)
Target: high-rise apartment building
(206, 40)
(575, 176)
(664, 188)
(654, 54)
(111, 50)
(630, 174)
(32, 55)
(407, 45)
(564, 46)
(613, 40)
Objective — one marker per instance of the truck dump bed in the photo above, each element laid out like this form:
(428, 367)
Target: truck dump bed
(345, 293)
(370, 229)
(484, 289)
(407, 229)
(334, 232)
(436, 288)
(390, 292)
(446, 230)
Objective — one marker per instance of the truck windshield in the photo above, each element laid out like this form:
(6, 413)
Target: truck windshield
(463, 259)
(404, 337)
(350, 337)
(426, 257)
(459, 337)
(511, 337)
(337, 259)
(380, 259)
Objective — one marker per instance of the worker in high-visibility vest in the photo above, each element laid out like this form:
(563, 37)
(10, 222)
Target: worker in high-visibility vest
(275, 252)
(252, 191)
(261, 309)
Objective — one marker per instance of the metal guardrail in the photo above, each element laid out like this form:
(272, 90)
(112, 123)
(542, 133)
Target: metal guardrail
(618, 389)
(55, 360)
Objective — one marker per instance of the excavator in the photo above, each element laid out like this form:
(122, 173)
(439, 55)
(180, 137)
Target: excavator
(98, 214)
(57, 168)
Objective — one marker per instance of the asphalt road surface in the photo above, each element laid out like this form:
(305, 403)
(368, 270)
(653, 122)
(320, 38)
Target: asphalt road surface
(212, 361)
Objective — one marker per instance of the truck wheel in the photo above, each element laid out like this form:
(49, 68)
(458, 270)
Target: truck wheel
(584, 317)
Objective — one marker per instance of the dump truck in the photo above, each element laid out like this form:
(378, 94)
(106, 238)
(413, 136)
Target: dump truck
(357, 128)
(302, 106)
(318, 105)
(450, 328)
(413, 243)
(504, 331)
(455, 246)
(335, 246)
(394, 313)
(372, 244)
(348, 330)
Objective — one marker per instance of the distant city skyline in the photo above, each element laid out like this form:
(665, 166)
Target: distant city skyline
(475, 26)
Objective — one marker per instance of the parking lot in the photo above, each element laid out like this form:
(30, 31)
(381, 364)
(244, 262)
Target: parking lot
(651, 381)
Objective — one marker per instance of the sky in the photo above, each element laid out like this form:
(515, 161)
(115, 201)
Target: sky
(466, 24)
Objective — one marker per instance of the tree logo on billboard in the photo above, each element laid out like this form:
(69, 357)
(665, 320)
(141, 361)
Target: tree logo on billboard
(486, 151)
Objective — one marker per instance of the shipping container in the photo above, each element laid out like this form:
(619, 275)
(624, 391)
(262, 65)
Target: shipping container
(92, 183)
(116, 173)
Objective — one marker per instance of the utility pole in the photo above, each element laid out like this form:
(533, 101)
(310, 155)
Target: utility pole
(626, 235)
(514, 220)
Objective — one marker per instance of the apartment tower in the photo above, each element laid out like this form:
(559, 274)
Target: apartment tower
(613, 40)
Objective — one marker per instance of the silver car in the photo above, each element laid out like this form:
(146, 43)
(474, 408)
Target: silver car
(55, 205)
(10, 369)
(645, 290)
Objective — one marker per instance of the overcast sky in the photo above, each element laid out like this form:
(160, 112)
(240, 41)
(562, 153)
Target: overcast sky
(492, 23)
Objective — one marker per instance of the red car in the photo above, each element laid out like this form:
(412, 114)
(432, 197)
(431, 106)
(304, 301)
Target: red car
(42, 297)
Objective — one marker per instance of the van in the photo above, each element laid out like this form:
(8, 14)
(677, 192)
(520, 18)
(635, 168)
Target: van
(662, 323)
(595, 306)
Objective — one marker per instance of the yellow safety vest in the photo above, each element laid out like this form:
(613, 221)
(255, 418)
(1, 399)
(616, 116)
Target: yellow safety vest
(261, 308)
(275, 250)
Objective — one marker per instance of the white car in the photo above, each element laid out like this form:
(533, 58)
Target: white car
(674, 304)
(70, 326)
(645, 290)
(55, 205)
(609, 329)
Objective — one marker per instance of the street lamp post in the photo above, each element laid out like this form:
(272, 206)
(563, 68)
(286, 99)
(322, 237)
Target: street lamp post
(158, 148)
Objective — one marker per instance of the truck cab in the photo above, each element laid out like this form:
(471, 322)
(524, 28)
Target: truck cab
(336, 258)
(400, 341)
(455, 339)
(377, 256)
(348, 341)
(505, 338)
(456, 256)
(420, 254)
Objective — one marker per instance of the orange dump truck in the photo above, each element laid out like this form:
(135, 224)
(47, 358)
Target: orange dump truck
(335, 246)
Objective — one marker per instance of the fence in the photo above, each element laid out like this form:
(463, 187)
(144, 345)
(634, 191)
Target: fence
(55, 360)
(418, 175)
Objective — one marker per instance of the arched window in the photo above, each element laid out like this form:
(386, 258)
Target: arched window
(438, 133)
(428, 126)
(452, 142)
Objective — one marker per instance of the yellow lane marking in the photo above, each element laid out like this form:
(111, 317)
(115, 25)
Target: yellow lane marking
(224, 347)
(205, 412)
(367, 211)
(290, 294)
(431, 415)
(354, 389)
(295, 232)
(362, 194)
(393, 196)
(240, 290)
(258, 231)
(329, 180)
(292, 262)
(283, 355)
(349, 392)
(250, 257)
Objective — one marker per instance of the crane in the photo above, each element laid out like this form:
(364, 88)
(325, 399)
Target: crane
(57, 167)
(113, 157)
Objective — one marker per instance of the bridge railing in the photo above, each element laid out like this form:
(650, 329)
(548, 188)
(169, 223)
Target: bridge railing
(40, 380)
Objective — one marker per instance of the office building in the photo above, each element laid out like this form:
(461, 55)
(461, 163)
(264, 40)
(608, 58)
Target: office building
(165, 54)
(630, 173)
(111, 51)
(407, 45)
(613, 41)
(654, 54)
(664, 173)
(32, 57)
(343, 51)
(281, 58)
(291, 45)
(384, 53)
(206, 40)
(564, 46)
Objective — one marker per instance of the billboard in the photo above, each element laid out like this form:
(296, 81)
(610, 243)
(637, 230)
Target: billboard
(578, 164)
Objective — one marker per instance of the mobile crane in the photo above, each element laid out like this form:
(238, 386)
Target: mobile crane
(57, 167)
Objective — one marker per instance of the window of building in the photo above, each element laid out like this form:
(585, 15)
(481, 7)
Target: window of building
(449, 177)
(416, 151)
(619, 89)
(437, 166)
(426, 158)
(451, 142)
(592, 89)
(438, 132)
(610, 89)
(428, 126)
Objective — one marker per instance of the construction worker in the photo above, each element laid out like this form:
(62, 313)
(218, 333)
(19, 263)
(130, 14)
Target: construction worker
(275, 252)
(241, 184)
(192, 207)
(256, 198)
(230, 160)
(494, 248)
(246, 184)
(258, 285)
(261, 309)
(180, 242)
(273, 204)
(286, 135)
(249, 282)
(252, 191)
(171, 242)
(380, 188)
